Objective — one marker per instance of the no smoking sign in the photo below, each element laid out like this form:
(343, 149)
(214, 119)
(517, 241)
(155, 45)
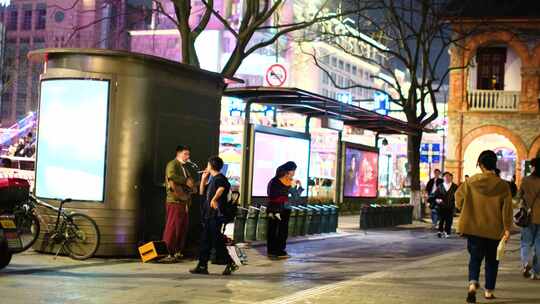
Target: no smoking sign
(276, 75)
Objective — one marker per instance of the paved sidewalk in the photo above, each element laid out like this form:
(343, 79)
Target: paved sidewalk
(440, 279)
(384, 266)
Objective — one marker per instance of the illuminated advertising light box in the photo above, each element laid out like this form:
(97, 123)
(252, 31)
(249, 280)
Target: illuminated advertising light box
(361, 165)
(271, 149)
(72, 135)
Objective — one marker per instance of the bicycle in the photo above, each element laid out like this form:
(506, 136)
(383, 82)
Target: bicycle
(77, 234)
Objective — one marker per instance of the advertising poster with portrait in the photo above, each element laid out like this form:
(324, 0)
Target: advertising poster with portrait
(361, 172)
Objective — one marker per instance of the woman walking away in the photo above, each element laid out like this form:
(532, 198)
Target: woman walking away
(486, 218)
(278, 222)
(530, 235)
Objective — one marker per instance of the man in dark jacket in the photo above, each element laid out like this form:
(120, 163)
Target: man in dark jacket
(216, 191)
(446, 202)
(431, 187)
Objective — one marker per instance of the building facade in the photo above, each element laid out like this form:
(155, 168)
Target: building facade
(36, 24)
(494, 102)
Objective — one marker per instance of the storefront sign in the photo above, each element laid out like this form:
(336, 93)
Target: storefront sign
(344, 97)
(381, 102)
(333, 124)
(430, 153)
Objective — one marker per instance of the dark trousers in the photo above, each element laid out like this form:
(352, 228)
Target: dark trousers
(446, 217)
(479, 249)
(278, 231)
(211, 238)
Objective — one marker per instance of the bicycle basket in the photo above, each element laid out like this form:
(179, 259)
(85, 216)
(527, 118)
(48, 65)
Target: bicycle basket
(13, 191)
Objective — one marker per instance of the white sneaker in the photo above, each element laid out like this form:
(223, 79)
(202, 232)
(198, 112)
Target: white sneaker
(535, 276)
(445, 235)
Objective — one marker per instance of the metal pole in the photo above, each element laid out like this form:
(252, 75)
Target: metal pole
(339, 170)
(388, 157)
(308, 120)
(444, 132)
(245, 180)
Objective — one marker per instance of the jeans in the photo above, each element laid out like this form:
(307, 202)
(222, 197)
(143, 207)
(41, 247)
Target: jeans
(530, 247)
(211, 238)
(445, 221)
(434, 216)
(278, 231)
(479, 249)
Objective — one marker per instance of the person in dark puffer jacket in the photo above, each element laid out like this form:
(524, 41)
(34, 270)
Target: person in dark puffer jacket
(278, 221)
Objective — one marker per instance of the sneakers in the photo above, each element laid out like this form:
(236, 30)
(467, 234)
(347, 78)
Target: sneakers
(443, 235)
(279, 255)
(283, 255)
(534, 276)
(526, 271)
(199, 270)
(168, 260)
(178, 256)
(231, 267)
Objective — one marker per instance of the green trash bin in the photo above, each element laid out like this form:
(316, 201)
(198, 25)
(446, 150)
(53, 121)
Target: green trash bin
(262, 225)
(377, 216)
(315, 219)
(325, 218)
(307, 223)
(300, 220)
(251, 224)
(240, 225)
(333, 218)
(292, 222)
(320, 216)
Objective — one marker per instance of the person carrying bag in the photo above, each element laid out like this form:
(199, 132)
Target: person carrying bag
(528, 218)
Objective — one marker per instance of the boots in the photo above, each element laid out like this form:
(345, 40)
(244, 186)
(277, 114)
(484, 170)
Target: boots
(231, 267)
(200, 269)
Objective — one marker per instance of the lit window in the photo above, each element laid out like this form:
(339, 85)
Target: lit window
(41, 18)
(27, 21)
(12, 22)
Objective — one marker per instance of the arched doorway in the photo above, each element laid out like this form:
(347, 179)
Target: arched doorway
(505, 149)
(535, 148)
(516, 142)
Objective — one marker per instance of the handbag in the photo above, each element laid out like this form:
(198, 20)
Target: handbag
(523, 217)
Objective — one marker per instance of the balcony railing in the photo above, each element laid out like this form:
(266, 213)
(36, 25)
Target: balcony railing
(491, 100)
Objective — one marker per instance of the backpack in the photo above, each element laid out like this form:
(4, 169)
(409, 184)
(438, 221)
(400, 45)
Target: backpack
(230, 208)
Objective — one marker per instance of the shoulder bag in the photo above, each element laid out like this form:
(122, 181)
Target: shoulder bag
(523, 216)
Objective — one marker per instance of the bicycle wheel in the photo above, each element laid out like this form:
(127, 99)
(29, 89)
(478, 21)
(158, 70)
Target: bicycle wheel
(82, 236)
(28, 227)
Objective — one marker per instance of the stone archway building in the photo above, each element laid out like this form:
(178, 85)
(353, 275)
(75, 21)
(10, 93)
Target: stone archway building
(475, 111)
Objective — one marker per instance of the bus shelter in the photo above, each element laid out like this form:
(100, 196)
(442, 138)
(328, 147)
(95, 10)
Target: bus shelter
(333, 113)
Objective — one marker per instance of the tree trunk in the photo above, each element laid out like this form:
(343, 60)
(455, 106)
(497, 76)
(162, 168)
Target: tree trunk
(413, 155)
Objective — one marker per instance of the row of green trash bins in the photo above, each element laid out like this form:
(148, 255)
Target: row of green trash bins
(251, 224)
(379, 216)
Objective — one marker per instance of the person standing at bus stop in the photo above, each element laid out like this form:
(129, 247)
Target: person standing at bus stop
(180, 184)
(278, 221)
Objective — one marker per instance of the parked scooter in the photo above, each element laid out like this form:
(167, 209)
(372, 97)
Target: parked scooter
(13, 192)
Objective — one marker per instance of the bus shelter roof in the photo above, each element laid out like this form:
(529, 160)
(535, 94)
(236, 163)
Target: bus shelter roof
(315, 105)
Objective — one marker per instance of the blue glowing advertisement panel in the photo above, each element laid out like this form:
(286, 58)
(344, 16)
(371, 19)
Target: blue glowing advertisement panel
(72, 135)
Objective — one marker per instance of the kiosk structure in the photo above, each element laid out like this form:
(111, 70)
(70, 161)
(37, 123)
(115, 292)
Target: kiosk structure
(109, 122)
